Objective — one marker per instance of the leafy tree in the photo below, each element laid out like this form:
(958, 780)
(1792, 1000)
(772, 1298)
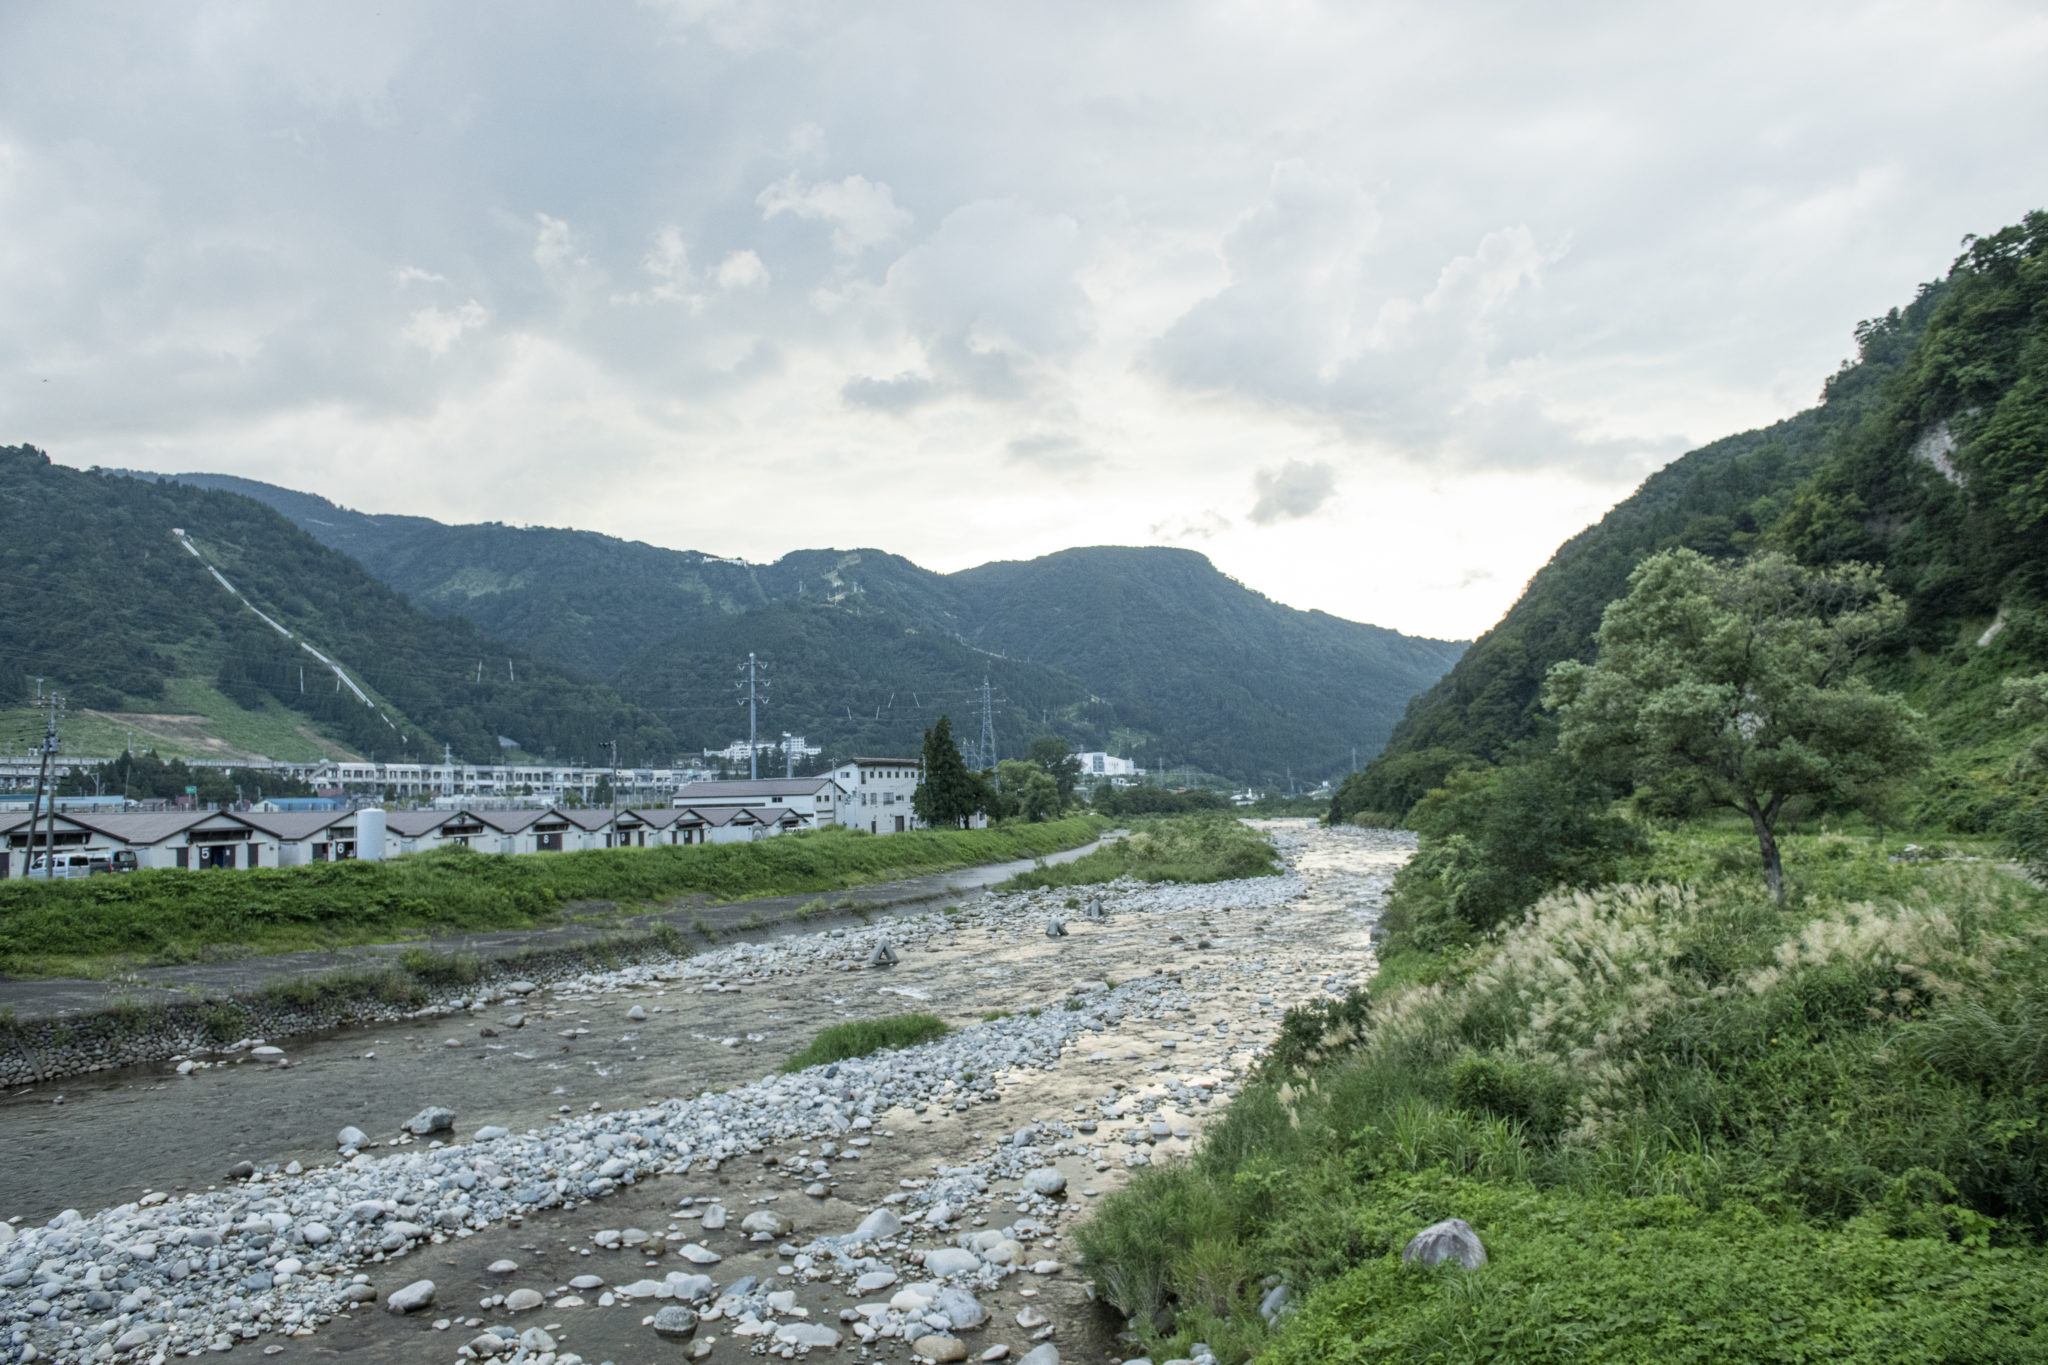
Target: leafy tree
(601, 794)
(1494, 841)
(1735, 683)
(950, 795)
(1027, 790)
(1060, 762)
(1140, 799)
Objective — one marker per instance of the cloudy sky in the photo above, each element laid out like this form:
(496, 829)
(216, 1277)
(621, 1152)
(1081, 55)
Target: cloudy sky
(1373, 304)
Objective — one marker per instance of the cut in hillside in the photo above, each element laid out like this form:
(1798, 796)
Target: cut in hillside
(1149, 653)
(159, 601)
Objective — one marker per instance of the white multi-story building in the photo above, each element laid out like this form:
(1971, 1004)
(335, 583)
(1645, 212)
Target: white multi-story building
(1107, 765)
(878, 793)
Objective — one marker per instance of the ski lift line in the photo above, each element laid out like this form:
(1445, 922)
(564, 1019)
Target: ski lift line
(236, 593)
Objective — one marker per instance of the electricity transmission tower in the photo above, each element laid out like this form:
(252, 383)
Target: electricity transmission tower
(985, 748)
(753, 686)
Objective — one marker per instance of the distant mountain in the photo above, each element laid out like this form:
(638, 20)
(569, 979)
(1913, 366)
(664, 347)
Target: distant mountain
(1147, 652)
(125, 593)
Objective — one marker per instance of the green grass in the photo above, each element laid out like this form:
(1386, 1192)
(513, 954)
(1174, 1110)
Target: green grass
(273, 731)
(863, 1036)
(172, 916)
(1689, 1124)
(1206, 847)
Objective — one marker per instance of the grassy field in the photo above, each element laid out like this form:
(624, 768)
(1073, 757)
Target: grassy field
(170, 916)
(1206, 847)
(194, 720)
(1689, 1125)
(862, 1036)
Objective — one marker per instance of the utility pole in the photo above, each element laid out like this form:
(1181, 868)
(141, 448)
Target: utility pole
(615, 777)
(46, 777)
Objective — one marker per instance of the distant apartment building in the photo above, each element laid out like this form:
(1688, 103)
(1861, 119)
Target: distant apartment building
(1106, 765)
(878, 793)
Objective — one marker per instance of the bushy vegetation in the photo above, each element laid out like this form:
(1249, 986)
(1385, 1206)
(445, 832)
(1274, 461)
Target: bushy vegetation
(1186, 848)
(184, 916)
(1145, 799)
(863, 1036)
(1687, 1122)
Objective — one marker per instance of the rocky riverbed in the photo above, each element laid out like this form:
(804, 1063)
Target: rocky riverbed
(906, 1205)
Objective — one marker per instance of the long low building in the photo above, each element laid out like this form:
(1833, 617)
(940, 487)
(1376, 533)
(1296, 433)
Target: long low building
(81, 844)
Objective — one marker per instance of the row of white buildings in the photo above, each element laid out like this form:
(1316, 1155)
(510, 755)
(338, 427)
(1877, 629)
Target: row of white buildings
(867, 794)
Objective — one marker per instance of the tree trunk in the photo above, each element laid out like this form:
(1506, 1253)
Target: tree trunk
(1765, 820)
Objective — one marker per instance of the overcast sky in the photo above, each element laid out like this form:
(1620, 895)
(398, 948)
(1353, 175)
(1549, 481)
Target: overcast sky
(1373, 304)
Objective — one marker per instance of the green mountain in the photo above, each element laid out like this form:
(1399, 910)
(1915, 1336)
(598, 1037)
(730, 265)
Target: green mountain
(1151, 653)
(1927, 455)
(159, 605)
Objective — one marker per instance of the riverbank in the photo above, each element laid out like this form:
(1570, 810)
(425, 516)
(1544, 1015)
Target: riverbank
(154, 918)
(1114, 1043)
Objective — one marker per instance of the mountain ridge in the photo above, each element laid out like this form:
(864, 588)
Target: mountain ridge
(1295, 693)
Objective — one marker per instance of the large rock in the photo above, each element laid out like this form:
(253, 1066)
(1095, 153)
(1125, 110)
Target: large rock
(697, 1255)
(411, 1299)
(878, 1226)
(1046, 1354)
(960, 1308)
(1450, 1240)
(690, 1288)
(714, 1217)
(522, 1300)
(807, 1334)
(675, 1322)
(351, 1136)
(951, 1261)
(765, 1220)
(1046, 1180)
(940, 1348)
(432, 1119)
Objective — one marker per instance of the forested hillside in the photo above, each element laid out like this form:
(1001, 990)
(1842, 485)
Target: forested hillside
(1150, 653)
(1925, 456)
(105, 604)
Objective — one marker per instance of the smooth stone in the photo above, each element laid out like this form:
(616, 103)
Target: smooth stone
(675, 1322)
(521, 987)
(807, 1334)
(880, 1225)
(502, 1268)
(487, 1344)
(873, 1280)
(1030, 1319)
(691, 1287)
(351, 1136)
(697, 1255)
(1047, 1354)
(267, 1053)
(994, 1353)
(317, 1234)
(951, 1261)
(636, 1014)
(765, 1220)
(1046, 1180)
(415, 1296)
(433, 1119)
(1005, 1252)
(641, 1289)
(1450, 1240)
(586, 1282)
(940, 1348)
(491, 1133)
(714, 1217)
(241, 1170)
(960, 1308)
(536, 1339)
(522, 1300)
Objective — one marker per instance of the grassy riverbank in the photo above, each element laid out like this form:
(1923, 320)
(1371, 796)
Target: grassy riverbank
(1203, 847)
(1689, 1125)
(171, 916)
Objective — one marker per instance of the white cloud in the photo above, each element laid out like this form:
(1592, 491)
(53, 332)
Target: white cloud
(742, 270)
(902, 263)
(436, 330)
(863, 214)
(1296, 489)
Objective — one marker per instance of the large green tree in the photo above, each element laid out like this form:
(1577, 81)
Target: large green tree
(1060, 762)
(1027, 789)
(1735, 683)
(950, 795)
